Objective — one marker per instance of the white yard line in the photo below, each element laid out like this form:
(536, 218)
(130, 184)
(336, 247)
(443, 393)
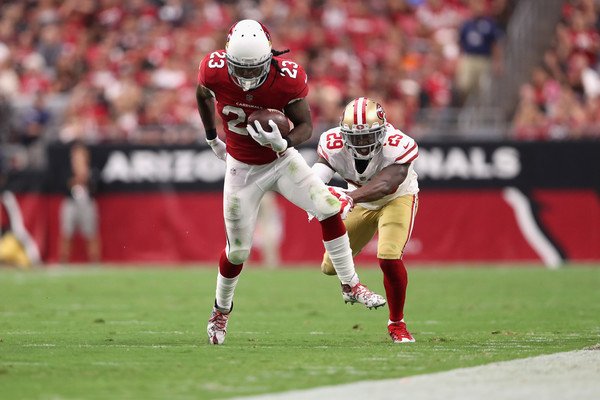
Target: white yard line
(570, 375)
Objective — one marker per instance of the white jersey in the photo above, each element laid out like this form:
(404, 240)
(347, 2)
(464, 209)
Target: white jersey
(398, 148)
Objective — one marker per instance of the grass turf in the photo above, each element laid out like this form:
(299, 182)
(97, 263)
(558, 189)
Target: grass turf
(140, 333)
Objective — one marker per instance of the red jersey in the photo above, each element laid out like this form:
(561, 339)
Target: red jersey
(235, 106)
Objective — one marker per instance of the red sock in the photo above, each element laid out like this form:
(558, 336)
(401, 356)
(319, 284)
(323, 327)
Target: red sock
(395, 280)
(227, 269)
(332, 227)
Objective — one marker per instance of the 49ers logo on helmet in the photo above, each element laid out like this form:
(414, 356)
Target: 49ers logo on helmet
(380, 112)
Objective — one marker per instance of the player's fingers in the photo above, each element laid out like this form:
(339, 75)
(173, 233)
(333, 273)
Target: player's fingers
(259, 127)
(251, 130)
(274, 127)
(344, 213)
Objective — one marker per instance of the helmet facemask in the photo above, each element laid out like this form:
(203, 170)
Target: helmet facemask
(248, 54)
(364, 144)
(248, 76)
(363, 128)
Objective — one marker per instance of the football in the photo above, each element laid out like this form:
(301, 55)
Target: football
(264, 115)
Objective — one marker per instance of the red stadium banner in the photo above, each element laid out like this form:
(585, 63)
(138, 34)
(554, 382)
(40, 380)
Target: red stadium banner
(479, 202)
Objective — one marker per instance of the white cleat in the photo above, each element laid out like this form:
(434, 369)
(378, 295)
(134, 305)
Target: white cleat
(360, 294)
(217, 325)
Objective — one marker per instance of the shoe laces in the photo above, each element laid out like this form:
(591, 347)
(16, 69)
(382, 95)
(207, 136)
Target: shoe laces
(220, 320)
(361, 290)
(399, 329)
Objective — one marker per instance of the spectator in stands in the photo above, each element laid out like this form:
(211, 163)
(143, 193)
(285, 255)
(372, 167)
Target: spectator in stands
(529, 122)
(352, 47)
(34, 77)
(34, 120)
(567, 117)
(481, 53)
(567, 85)
(578, 36)
(31, 125)
(9, 79)
(545, 89)
(439, 21)
(502, 11)
(79, 211)
(554, 65)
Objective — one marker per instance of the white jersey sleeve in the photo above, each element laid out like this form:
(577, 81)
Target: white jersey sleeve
(331, 148)
(399, 146)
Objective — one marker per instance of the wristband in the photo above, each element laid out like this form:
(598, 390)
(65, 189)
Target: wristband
(211, 134)
(289, 142)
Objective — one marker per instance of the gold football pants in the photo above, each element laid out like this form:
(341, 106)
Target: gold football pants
(394, 221)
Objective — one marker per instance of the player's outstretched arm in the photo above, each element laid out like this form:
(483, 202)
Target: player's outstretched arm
(383, 184)
(323, 170)
(298, 112)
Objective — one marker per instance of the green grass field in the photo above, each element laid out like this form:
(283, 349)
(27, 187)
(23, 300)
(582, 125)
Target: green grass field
(140, 333)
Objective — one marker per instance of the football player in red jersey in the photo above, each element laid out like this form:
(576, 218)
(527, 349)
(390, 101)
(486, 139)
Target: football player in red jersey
(376, 160)
(248, 76)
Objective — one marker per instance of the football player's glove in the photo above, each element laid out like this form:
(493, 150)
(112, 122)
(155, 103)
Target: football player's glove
(346, 201)
(271, 139)
(218, 147)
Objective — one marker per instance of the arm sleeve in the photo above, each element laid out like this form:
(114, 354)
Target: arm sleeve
(323, 172)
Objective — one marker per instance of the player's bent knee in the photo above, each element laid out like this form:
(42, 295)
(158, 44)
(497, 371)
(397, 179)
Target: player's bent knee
(390, 250)
(238, 256)
(324, 202)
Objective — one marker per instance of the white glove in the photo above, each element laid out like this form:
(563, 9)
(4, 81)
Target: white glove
(271, 139)
(346, 201)
(218, 147)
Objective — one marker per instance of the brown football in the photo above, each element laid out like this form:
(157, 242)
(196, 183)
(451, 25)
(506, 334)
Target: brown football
(264, 115)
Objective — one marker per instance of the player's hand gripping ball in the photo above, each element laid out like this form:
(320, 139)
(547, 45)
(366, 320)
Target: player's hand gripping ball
(267, 126)
(265, 115)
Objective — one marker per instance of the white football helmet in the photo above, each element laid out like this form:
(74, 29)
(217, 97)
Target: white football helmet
(249, 54)
(363, 127)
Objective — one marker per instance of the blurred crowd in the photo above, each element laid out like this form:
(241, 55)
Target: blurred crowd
(113, 71)
(562, 99)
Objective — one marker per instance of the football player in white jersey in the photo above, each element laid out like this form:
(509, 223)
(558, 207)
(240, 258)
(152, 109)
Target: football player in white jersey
(376, 160)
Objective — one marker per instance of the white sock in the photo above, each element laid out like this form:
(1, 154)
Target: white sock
(341, 257)
(225, 289)
(394, 322)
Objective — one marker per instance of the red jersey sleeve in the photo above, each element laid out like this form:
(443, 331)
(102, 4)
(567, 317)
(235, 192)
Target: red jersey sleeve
(291, 83)
(209, 68)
